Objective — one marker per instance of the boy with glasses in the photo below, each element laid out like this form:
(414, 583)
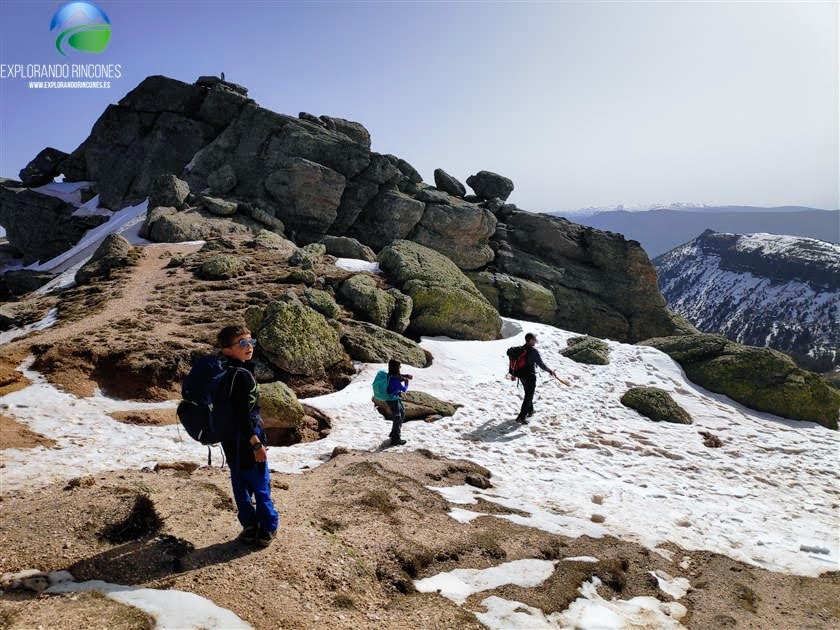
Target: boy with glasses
(246, 453)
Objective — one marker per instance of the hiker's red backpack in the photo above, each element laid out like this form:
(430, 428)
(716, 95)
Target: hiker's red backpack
(516, 357)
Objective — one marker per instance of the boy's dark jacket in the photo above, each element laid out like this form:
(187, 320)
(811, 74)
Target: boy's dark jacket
(245, 404)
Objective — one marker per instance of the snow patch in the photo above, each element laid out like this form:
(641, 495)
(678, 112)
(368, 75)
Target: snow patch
(354, 264)
(14, 333)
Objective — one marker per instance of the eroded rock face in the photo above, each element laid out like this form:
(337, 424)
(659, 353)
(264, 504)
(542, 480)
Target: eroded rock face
(760, 378)
(40, 226)
(445, 301)
(43, 168)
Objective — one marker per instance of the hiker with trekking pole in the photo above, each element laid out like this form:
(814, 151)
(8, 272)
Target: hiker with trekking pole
(523, 360)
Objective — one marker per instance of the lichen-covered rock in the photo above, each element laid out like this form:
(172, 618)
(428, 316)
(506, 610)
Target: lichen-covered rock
(459, 230)
(373, 344)
(389, 217)
(656, 404)
(346, 247)
(253, 317)
(517, 297)
(589, 350)
(168, 191)
(422, 405)
(279, 406)
(265, 239)
(221, 267)
(361, 295)
(302, 276)
(219, 207)
(176, 227)
(760, 378)
(323, 302)
(113, 252)
(262, 216)
(445, 301)
(298, 340)
(401, 315)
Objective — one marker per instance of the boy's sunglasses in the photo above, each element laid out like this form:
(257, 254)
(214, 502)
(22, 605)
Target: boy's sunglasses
(244, 343)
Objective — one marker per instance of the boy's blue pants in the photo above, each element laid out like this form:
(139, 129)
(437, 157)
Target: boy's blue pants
(254, 481)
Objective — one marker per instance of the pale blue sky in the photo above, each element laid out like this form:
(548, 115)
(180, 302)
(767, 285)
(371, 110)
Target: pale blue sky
(579, 103)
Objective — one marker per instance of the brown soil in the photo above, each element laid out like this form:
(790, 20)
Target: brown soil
(355, 533)
(15, 435)
(10, 379)
(134, 335)
(150, 417)
(82, 610)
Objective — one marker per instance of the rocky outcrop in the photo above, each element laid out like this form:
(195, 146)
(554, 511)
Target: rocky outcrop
(114, 252)
(603, 285)
(389, 217)
(22, 281)
(353, 130)
(169, 192)
(167, 225)
(588, 350)
(516, 297)
(372, 344)
(445, 182)
(346, 247)
(43, 168)
(445, 301)
(40, 226)
(656, 404)
(760, 378)
(459, 230)
(488, 185)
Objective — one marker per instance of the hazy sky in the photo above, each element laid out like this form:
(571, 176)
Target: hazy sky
(578, 103)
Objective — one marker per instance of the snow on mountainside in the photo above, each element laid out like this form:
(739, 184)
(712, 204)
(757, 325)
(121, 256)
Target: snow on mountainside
(760, 289)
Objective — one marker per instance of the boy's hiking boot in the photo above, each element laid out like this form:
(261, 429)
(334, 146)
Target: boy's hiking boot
(249, 534)
(530, 413)
(264, 538)
(398, 442)
(521, 420)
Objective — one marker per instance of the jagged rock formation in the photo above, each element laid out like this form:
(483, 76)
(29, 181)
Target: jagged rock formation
(762, 290)
(315, 177)
(760, 378)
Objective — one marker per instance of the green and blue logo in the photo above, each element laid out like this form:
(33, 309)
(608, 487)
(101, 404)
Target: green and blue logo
(82, 26)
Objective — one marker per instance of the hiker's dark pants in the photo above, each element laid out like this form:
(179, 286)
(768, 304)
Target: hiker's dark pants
(529, 382)
(254, 481)
(397, 417)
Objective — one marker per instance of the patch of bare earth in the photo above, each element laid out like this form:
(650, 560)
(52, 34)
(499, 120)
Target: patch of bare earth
(15, 435)
(150, 417)
(81, 610)
(355, 533)
(134, 335)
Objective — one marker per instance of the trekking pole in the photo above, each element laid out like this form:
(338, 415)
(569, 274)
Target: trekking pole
(566, 383)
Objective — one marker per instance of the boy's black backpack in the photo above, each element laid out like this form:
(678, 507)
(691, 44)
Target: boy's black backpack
(205, 411)
(517, 356)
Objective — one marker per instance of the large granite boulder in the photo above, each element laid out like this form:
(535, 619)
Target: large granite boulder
(445, 182)
(43, 168)
(387, 309)
(389, 217)
(588, 350)
(488, 185)
(656, 404)
(603, 284)
(169, 192)
(114, 252)
(323, 302)
(346, 247)
(221, 267)
(279, 406)
(40, 226)
(420, 405)
(307, 194)
(759, 378)
(459, 230)
(372, 344)
(297, 339)
(360, 190)
(445, 301)
(167, 225)
(215, 205)
(516, 297)
(266, 239)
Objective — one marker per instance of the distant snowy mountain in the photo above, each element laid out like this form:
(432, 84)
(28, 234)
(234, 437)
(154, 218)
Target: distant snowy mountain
(660, 229)
(760, 289)
(629, 207)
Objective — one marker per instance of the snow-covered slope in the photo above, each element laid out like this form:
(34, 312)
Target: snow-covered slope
(585, 465)
(761, 290)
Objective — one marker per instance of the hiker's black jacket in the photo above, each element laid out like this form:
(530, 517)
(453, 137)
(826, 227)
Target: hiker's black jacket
(245, 402)
(532, 358)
